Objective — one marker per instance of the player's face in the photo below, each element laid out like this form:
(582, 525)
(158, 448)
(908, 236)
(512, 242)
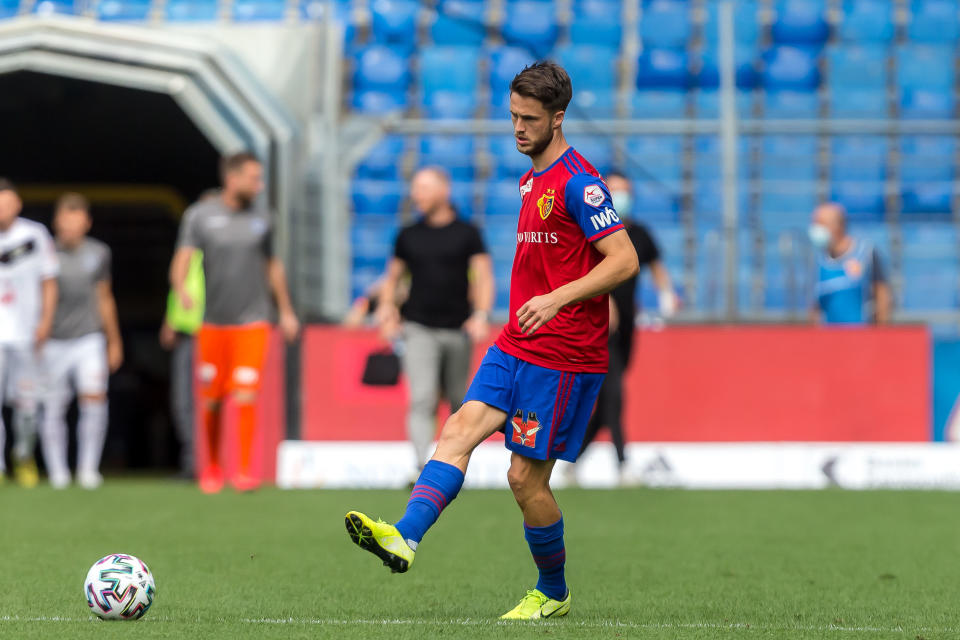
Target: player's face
(533, 125)
(428, 192)
(9, 208)
(71, 225)
(245, 182)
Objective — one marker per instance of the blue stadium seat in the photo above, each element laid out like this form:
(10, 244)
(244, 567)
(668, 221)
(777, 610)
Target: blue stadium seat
(374, 102)
(55, 7)
(589, 104)
(788, 104)
(447, 94)
(708, 201)
(777, 219)
(597, 23)
(382, 162)
(927, 198)
(786, 271)
(500, 236)
(377, 197)
(710, 295)
(531, 24)
(598, 151)
(366, 272)
(706, 103)
(9, 8)
(657, 158)
(923, 66)
(259, 10)
(708, 161)
(592, 68)
(501, 198)
(934, 21)
(858, 103)
(787, 157)
(797, 201)
(745, 58)
(663, 68)
(665, 23)
(508, 163)
(654, 202)
(394, 23)
(857, 66)
(453, 153)
(927, 158)
(459, 22)
(372, 237)
(505, 63)
(668, 103)
(123, 10)
(920, 103)
(790, 68)
(746, 26)
(800, 22)
(192, 10)
(864, 200)
(381, 77)
(858, 158)
(867, 21)
(462, 196)
(929, 266)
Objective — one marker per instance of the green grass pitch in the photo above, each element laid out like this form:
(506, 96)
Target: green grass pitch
(641, 564)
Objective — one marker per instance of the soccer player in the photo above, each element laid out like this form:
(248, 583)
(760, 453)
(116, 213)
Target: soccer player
(28, 297)
(540, 380)
(241, 275)
(84, 346)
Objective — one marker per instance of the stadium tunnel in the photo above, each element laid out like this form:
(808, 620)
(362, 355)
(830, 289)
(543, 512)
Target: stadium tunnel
(135, 119)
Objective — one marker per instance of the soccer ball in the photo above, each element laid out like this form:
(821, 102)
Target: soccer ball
(119, 587)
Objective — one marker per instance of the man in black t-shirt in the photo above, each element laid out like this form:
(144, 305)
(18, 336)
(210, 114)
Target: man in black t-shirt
(447, 308)
(623, 311)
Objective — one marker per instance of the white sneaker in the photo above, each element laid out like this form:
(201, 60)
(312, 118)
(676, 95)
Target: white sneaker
(89, 479)
(60, 480)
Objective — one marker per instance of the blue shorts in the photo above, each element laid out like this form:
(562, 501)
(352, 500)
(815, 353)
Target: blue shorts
(547, 410)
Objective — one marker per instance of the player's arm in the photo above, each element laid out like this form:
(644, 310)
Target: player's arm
(179, 267)
(107, 306)
(277, 277)
(667, 297)
(482, 285)
(882, 296)
(48, 306)
(387, 314)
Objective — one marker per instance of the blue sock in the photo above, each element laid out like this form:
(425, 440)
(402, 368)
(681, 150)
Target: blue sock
(438, 484)
(546, 545)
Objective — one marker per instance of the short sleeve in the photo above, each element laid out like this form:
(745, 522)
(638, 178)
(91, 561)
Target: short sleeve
(49, 262)
(589, 204)
(400, 246)
(643, 242)
(266, 243)
(189, 236)
(104, 266)
(475, 244)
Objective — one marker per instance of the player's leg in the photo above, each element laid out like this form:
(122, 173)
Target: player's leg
(58, 368)
(210, 374)
(248, 354)
(614, 408)
(26, 379)
(92, 374)
(421, 364)
(181, 400)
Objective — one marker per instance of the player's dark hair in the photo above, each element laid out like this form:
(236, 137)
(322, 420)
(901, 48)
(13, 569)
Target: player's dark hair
(73, 201)
(232, 162)
(545, 81)
(6, 185)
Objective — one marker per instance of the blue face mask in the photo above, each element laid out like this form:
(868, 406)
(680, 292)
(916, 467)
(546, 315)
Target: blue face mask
(622, 201)
(819, 236)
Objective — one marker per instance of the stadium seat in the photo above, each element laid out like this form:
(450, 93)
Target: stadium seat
(929, 266)
(373, 102)
(531, 24)
(858, 66)
(453, 153)
(927, 198)
(663, 68)
(927, 158)
(54, 7)
(746, 26)
(366, 272)
(508, 163)
(376, 197)
(858, 103)
(706, 103)
(597, 150)
(447, 94)
(462, 196)
(597, 23)
(665, 23)
(459, 22)
(788, 104)
(591, 68)
(710, 295)
(655, 158)
(504, 64)
(394, 23)
(9, 8)
(382, 162)
(936, 21)
(790, 68)
(500, 236)
(858, 158)
(659, 104)
(796, 201)
(707, 75)
(786, 272)
(123, 10)
(867, 21)
(919, 103)
(789, 157)
(259, 10)
(653, 202)
(501, 198)
(922, 66)
(708, 201)
(590, 105)
(708, 160)
(800, 22)
(192, 10)
(381, 77)
(864, 200)
(372, 237)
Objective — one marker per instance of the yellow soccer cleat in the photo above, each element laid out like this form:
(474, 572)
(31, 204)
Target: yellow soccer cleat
(536, 605)
(26, 474)
(381, 539)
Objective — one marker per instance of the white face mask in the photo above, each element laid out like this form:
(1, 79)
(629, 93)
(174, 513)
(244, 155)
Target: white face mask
(622, 201)
(819, 236)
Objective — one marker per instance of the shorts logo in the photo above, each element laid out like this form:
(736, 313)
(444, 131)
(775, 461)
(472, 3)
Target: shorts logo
(545, 204)
(246, 375)
(526, 188)
(593, 195)
(525, 431)
(207, 372)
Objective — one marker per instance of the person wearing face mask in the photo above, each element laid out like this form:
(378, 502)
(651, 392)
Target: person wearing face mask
(851, 285)
(623, 311)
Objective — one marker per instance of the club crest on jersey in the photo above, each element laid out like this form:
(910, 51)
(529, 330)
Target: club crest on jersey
(525, 431)
(545, 204)
(593, 195)
(526, 188)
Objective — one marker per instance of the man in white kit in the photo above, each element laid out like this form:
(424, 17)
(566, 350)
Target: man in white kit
(84, 346)
(28, 297)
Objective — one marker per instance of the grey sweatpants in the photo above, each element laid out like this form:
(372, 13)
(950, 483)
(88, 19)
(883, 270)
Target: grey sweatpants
(433, 358)
(181, 397)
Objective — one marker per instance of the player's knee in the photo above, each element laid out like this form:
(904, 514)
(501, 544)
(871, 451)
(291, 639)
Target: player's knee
(245, 396)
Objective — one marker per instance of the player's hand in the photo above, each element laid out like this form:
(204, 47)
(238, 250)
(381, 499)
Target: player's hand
(289, 325)
(168, 337)
(668, 303)
(388, 320)
(41, 335)
(185, 300)
(114, 355)
(477, 327)
(536, 312)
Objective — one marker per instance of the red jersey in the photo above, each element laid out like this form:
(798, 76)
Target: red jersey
(564, 209)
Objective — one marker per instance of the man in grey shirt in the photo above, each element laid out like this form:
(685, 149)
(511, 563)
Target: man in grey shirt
(243, 278)
(84, 346)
